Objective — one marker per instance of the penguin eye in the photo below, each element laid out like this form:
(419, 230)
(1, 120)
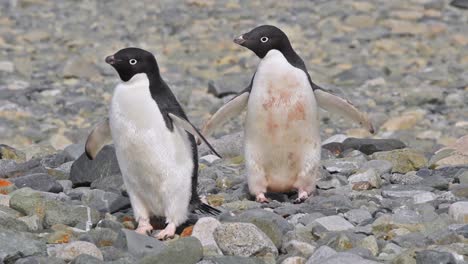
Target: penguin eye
(264, 39)
(132, 62)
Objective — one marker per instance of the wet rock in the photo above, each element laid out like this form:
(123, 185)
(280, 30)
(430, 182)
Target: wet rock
(244, 239)
(39, 181)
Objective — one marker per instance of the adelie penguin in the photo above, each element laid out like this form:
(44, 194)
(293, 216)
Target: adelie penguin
(282, 139)
(154, 143)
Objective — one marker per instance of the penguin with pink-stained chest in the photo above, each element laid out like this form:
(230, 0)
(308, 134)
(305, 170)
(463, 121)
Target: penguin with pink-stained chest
(154, 143)
(281, 135)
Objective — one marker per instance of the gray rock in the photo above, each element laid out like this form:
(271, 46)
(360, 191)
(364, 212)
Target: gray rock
(103, 237)
(309, 218)
(344, 257)
(140, 245)
(39, 181)
(459, 212)
(105, 201)
(74, 151)
(345, 166)
(50, 209)
(33, 222)
(230, 260)
(185, 250)
(107, 223)
(299, 248)
(203, 230)
(370, 175)
(434, 257)
(15, 245)
(73, 249)
(358, 216)
(84, 171)
(334, 223)
(322, 253)
(403, 160)
(369, 145)
(66, 185)
(86, 259)
(408, 178)
(460, 4)
(294, 260)
(10, 222)
(113, 253)
(381, 166)
(228, 84)
(244, 239)
(424, 197)
(230, 145)
(401, 191)
(273, 225)
(40, 260)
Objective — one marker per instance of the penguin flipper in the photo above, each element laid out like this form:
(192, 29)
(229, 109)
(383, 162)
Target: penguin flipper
(98, 138)
(187, 126)
(335, 104)
(226, 112)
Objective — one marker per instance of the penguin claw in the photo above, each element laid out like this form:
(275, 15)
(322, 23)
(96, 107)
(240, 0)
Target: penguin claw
(260, 198)
(166, 233)
(301, 197)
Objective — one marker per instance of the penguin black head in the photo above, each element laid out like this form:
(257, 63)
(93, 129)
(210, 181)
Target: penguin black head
(264, 38)
(131, 61)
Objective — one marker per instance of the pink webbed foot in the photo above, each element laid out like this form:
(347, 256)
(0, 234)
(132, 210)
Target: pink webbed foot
(301, 196)
(260, 198)
(168, 232)
(144, 227)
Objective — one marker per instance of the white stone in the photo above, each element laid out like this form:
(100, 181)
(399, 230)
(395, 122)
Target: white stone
(294, 260)
(210, 158)
(5, 200)
(339, 138)
(334, 223)
(7, 66)
(203, 230)
(459, 212)
(424, 197)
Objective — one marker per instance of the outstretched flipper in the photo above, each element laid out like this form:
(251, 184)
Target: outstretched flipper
(187, 126)
(97, 139)
(335, 104)
(226, 112)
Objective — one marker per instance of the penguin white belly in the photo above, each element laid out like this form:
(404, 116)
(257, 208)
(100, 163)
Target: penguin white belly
(156, 163)
(282, 140)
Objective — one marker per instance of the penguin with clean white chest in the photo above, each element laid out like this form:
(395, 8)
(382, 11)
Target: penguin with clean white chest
(282, 139)
(154, 143)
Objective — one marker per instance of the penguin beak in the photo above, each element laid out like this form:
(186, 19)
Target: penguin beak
(239, 40)
(110, 60)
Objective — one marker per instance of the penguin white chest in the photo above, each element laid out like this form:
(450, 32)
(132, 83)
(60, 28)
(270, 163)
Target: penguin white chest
(282, 126)
(155, 162)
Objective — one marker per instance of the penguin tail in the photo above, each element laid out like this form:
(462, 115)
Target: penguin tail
(204, 209)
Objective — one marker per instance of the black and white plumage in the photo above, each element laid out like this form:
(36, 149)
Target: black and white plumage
(154, 142)
(282, 140)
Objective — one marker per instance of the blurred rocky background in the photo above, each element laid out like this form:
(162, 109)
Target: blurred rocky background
(399, 196)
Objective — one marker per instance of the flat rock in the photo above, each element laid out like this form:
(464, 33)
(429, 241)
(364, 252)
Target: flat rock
(369, 146)
(434, 257)
(186, 250)
(322, 253)
(39, 181)
(141, 245)
(105, 201)
(244, 239)
(334, 223)
(357, 216)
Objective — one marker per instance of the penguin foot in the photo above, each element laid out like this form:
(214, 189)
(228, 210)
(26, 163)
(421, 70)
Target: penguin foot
(301, 196)
(167, 232)
(260, 198)
(144, 227)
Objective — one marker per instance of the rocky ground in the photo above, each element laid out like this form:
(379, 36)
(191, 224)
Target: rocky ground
(400, 199)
